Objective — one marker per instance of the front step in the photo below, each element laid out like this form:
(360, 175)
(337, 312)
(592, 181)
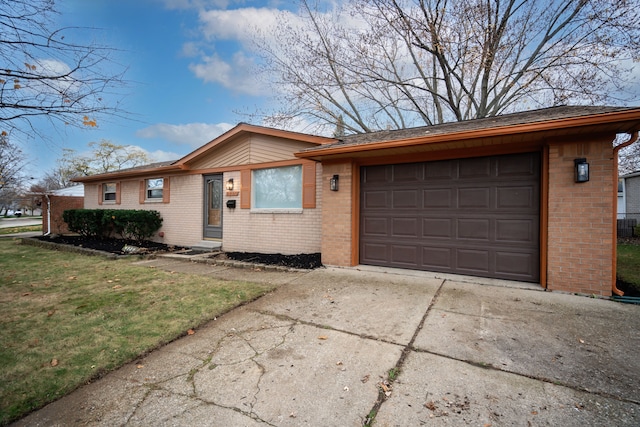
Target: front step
(207, 246)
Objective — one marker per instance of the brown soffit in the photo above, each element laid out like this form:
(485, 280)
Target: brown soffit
(247, 128)
(628, 120)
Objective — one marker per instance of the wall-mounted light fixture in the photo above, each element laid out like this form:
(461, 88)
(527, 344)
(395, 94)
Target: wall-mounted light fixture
(333, 182)
(230, 184)
(582, 170)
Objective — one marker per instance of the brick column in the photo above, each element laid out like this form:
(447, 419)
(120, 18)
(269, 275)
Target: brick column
(580, 242)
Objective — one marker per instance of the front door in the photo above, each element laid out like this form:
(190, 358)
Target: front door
(213, 206)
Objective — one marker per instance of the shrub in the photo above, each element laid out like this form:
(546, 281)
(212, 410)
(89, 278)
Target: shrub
(135, 225)
(86, 222)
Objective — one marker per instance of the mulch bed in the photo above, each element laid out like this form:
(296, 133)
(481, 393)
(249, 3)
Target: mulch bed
(301, 261)
(123, 247)
(113, 246)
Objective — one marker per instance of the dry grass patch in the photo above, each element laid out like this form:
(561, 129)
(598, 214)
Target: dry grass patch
(68, 318)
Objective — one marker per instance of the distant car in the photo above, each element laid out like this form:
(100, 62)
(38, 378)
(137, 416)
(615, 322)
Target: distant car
(18, 213)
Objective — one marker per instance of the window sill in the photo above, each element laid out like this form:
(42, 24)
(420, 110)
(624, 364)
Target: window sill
(277, 211)
(153, 201)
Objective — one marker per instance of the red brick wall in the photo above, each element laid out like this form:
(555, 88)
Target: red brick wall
(58, 205)
(579, 250)
(580, 240)
(337, 207)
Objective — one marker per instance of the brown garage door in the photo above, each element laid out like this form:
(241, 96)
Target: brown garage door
(477, 216)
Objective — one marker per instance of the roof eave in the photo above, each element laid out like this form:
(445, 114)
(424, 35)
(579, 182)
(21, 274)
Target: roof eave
(556, 124)
(127, 174)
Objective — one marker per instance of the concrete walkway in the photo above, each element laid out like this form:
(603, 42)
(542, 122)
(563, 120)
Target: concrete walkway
(334, 347)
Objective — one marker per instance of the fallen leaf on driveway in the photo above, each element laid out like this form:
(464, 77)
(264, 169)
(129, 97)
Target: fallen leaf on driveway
(430, 405)
(139, 366)
(191, 332)
(323, 337)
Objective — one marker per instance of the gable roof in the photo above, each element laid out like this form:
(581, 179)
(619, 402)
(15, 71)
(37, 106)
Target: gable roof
(183, 163)
(578, 118)
(244, 128)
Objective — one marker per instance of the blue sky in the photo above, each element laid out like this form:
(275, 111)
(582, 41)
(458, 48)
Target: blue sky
(189, 67)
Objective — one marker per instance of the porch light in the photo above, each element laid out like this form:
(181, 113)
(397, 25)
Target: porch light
(582, 170)
(333, 183)
(230, 184)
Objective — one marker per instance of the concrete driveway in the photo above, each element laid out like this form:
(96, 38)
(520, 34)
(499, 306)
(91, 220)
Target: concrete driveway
(346, 347)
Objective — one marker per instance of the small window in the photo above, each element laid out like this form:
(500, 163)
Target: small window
(109, 192)
(277, 188)
(154, 189)
(620, 185)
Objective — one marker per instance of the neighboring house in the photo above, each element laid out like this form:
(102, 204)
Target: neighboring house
(495, 197)
(629, 196)
(55, 202)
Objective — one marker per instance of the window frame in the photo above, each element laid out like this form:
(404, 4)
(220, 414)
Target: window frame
(114, 192)
(143, 194)
(309, 182)
(277, 209)
(148, 190)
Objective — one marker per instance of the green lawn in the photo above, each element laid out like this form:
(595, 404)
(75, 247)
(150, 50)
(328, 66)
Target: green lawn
(68, 318)
(12, 230)
(629, 267)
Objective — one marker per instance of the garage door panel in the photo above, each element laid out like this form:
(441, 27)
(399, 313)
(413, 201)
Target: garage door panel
(518, 265)
(375, 175)
(406, 256)
(375, 253)
(412, 172)
(376, 199)
(467, 216)
(516, 230)
(474, 229)
(405, 227)
(438, 258)
(473, 260)
(476, 198)
(438, 198)
(516, 197)
(405, 199)
(443, 170)
(375, 226)
(475, 168)
(517, 165)
(437, 228)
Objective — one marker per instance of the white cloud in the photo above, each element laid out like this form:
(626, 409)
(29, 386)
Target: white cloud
(162, 156)
(240, 24)
(191, 134)
(237, 75)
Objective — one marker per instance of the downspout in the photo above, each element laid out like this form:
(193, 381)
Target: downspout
(633, 137)
(48, 215)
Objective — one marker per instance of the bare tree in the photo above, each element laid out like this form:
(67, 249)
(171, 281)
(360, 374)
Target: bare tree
(378, 64)
(44, 73)
(12, 163)
(104, 157)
